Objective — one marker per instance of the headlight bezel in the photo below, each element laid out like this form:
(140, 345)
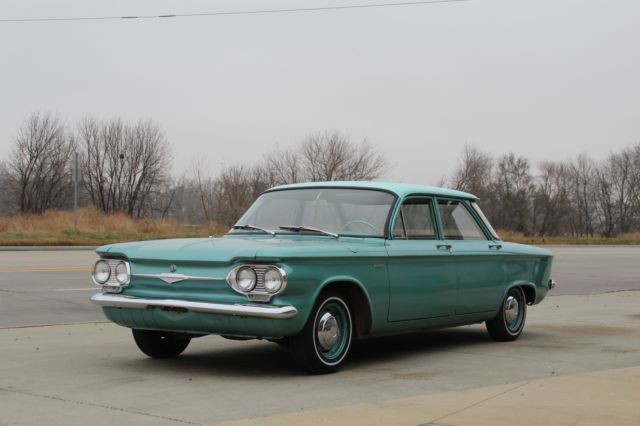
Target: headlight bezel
(112, 284)
(258, 293)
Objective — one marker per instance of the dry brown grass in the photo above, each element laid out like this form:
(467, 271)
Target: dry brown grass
(89, 220)
(97, 228)
(518, 237)
(94, 228)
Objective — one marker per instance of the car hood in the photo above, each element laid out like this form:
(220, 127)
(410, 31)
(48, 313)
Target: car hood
(231, 248)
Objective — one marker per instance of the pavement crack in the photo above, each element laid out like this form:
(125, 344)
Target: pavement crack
(10, 327)
(91, 404)
(435, 421)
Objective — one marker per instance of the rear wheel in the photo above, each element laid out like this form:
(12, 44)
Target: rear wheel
(324, 342)
(509, 322)
(160, 344)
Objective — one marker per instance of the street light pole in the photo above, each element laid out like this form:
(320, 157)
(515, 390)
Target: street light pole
(76, 175)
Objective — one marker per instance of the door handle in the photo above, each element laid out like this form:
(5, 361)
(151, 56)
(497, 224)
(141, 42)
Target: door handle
(447, 247)
(495, 246)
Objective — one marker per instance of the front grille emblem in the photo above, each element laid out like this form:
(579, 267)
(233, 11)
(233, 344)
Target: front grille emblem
(173, 268)
(172, 278)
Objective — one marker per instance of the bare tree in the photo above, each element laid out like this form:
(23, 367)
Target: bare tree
(125, 165)
(331, 156)
(162, 203)
(513, 190)
(205, 188)
(582, 193)
(282, 166)
(473, 174)
(551, 205)
(5, 200)
(38, 169)
(618, 191)
(235, 190)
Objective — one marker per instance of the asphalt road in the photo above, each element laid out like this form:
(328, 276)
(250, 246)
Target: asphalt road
(46, 287)
(91, 372)
(53, 287)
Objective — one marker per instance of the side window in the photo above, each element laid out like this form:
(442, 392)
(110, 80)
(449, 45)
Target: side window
(398, 228)
(415, 220)
(457, 222)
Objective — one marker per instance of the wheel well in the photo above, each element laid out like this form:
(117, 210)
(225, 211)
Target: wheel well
(529, 294)
(358, 302)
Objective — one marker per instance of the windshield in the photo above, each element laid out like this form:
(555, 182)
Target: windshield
(353, 212)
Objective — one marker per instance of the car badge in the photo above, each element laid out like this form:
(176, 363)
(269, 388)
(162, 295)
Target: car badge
(172, 268)
(172, 278)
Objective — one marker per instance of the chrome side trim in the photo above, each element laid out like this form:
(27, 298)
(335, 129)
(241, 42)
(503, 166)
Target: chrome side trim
(248, 310)
(174, 278)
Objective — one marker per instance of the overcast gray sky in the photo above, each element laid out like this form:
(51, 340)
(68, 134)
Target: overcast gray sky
(546, 79)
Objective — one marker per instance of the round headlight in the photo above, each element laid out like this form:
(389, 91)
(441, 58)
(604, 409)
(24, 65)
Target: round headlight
(272, 280)
(101, 272)
(122, 273)
(246, 279)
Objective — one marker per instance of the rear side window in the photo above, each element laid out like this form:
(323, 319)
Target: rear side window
(457, 221)
(415, 220)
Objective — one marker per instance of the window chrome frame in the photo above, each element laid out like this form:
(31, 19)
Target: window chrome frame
(387, 232)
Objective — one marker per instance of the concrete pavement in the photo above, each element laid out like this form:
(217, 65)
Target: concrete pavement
(607, 397)
(93, 373)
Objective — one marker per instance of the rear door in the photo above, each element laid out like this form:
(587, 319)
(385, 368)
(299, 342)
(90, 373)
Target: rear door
(479, 272)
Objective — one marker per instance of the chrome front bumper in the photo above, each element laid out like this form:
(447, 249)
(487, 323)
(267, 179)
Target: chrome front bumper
(248, 310)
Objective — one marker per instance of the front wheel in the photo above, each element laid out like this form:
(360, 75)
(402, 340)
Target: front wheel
(509, 322)
(160, 344)
(324, 342)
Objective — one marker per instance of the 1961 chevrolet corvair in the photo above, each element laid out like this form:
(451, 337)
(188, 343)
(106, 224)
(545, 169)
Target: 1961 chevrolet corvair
(314, 266)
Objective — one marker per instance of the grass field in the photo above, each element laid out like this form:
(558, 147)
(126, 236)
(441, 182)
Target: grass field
(55, 228)
(625, 239)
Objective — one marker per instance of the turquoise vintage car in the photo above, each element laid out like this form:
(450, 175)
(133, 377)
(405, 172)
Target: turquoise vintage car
(314, 266)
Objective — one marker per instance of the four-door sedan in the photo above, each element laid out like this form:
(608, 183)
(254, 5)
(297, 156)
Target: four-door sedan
(314, 266)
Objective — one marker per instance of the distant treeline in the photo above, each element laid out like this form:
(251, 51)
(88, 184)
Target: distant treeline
(125, 167)
(580, 197)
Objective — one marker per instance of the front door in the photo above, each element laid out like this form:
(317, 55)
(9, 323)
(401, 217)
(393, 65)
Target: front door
(421, 275)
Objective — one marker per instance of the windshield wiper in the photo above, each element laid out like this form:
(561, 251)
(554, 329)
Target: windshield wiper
(306, 228)
(253, 228)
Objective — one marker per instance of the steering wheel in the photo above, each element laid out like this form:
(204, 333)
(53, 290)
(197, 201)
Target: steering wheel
(362, 222)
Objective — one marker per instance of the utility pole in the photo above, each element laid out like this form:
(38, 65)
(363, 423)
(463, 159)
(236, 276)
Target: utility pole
(76, 175)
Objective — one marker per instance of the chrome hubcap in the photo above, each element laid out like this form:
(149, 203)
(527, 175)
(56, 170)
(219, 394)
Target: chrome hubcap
(328, 331)
(511, 309)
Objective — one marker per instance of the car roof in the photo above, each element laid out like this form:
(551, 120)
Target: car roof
(400, 189)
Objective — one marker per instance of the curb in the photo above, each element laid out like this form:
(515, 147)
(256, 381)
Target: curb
(47, 248)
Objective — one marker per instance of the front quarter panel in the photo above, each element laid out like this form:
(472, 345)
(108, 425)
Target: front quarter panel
(309, 277)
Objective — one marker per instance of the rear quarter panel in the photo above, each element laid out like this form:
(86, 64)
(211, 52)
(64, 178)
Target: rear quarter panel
(527, 266)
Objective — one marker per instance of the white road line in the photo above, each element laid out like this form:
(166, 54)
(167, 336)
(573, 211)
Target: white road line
(76, 289)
